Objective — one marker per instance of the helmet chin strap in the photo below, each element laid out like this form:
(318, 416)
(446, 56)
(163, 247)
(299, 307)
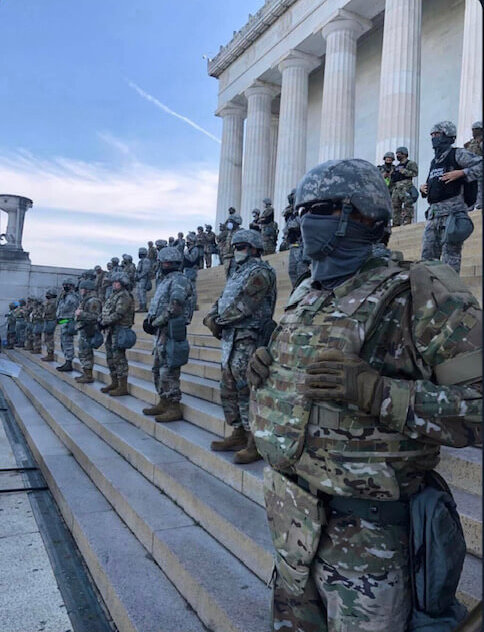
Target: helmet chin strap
(346, 211)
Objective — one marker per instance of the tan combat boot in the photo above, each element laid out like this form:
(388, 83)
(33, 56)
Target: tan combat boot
(172, 412)
(85, 378)
(112, 386)
(49, 357)
(157, 409)
(236, 441)
(248, 454)
(122, 388)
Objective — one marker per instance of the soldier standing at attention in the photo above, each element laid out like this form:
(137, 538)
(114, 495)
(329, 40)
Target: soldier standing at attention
(210, 245)
(99, 282)
(221, 240)
(152, 253)
(448, 224)
(37, 318)
(387, 168)
(170, 309)
(200, 242)
(20, 322)
(233, 225)
(66, 307)
(241, 318)
(107, 287)
(143, 282)
(269, 228)
(292, 236)
(29, 334)
(129, 269)
(117, 314)
(254, 225)
(180, 243)
(190, 265)
(50, 323)
(374, 365)
(475, 145)
(401, 183)
(87, 316)
(11, 325)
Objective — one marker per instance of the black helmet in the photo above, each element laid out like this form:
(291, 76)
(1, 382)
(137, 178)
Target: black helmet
(354, 182)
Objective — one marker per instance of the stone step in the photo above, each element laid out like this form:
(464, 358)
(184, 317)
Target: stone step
(224, 593)
(123, 570)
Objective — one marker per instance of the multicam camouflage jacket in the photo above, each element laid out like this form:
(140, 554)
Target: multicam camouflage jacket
(210, 244)
(90, 309)
(67, 305)
(50, 307)
(118, 309)
(417, 325)
(171, 299)
(474, 145)
(20, 312)
(37, 313)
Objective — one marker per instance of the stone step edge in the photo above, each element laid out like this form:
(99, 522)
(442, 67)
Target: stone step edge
(209, 607)
(100, 567)
(256, 558)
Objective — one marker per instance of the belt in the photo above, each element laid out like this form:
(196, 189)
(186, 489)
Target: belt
(385, 512)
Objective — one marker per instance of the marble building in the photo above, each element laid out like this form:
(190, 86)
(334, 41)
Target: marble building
(310, 80)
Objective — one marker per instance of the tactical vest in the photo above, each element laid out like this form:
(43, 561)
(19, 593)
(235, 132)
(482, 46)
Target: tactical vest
(438, 190)
(397, 176)
(109, 307)
(67, 305)
(334, 447)
(164, 292)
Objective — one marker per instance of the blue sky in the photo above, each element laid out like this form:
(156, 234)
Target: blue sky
(106, 167)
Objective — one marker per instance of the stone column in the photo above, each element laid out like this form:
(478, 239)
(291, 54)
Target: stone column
(293, 119)
(470, 100)
(257, 151)
(399, 104)
(230, 170)
(338, 106)
(274, 142)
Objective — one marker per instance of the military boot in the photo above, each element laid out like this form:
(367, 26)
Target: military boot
(28, 347)
(49, 357)
(172, 412)
(157, 409)
(236, 441)
(67, 366)
(85, 378)
(248, 454)
(36, 351)
(112, 386)
(122, 388)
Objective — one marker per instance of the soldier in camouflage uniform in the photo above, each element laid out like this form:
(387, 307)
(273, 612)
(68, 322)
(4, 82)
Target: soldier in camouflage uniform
(234, 217)
(117, 313)
(180, 243)
(254, 225)
(400, 184)
(269, 228)
(374, 364)
(200, 242)
(450, 169)
(98, 281)
(152, 254)
(66, 307)
(20, 322)
(475, 146)
(387, 168)
(50, 323)
(221, 240)
(292, 236)
(11, 325)
(106, 286)
(87, 316)
(173, 298)
(29, 332)
(37, 320)
(143, 274)
(155, 270)
(210, 245)
(129, 269)
(190, 266)
(241, 318)
(232, 225)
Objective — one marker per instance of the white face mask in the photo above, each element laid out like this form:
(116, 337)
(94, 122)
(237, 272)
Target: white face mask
(230, 225)
(240, 255)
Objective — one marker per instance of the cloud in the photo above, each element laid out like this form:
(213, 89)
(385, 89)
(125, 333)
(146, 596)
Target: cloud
(84, 213)
(118, 144)
(168, 110)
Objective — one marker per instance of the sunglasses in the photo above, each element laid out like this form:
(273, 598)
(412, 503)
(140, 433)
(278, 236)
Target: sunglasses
(241, 246)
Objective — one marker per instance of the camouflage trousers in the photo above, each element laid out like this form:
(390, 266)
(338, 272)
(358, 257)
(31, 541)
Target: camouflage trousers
(37, 342)
(67, 342)
(208, 259)
(228, 263)
(85, 351)
(191, 273)
(141, 294)
(29, 337)
(115, 357)
(49, 342)
(400, 199)
(11, 338)
(434, 247)
(166, 379)
(234, 388)
(20, 332)
(269, 247)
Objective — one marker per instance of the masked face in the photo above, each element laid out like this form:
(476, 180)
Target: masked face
(477, 132)
(241, 252)
(230, 225)
(389, 161)
(441, 142)
(400, 157)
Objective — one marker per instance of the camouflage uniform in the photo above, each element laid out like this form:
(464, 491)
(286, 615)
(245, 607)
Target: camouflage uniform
(20, 324)
(29, 332)
(107, 287)
(50, 322)
(190, 269)
(11, 326)
(401, 182)
(210, 246)
(99, 281)
(222, 241)
(91, 308)
(200, 241)
(298, 265)
(269, 230)
(180, 244)
(152, 254)
(228, 257)
(118, 311)
(143, 274)
(37, 318)
(66, 306)
(475, 146)
(129, 269)
(173, 297)
(245, 306)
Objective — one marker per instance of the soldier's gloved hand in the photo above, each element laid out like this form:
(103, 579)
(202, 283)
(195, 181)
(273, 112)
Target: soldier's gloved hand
(344, 377)
(210, 322)
(258, 367)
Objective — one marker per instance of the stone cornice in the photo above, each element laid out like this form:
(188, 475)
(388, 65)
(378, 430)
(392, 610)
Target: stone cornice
(257, 24)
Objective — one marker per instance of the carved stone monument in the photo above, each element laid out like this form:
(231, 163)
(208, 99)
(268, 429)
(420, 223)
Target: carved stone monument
(11, 240)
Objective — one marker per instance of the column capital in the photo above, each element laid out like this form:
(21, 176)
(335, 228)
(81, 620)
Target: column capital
(231, 109)
(298, 59)
(343, 20)
(262, 88)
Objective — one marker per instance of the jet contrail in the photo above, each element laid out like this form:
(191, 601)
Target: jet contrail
(166, 109)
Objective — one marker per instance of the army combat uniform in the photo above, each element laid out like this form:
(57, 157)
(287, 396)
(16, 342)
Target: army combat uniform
(190, 268)
(66, 306)
(37, 319)
(475, 146)
(20, 323)
(11, 326)
(90, 310)
(29, 331)
(50, 322)
(401, 183)
(269, 230)
(143, 282)
(210, 246)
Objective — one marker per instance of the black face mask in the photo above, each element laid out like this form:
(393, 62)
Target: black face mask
(441, 144)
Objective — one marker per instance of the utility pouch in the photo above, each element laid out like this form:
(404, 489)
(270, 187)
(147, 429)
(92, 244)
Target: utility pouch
(125, 338)
(96, 340)
(49, 326)
(177, 329)
(458, 228)
(177, 352)
(295, 520)
(412, 194)
(148, 285)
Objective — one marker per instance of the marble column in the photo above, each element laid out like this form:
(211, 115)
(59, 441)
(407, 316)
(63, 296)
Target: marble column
(470, 100)
(293, 119)
(274, 142)
(230, 170)
(399, 104)
(338, 105)
(257, 150)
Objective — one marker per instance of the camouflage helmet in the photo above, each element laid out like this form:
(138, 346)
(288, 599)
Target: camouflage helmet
(87, 284)
(389, 154)
(12, 305)
(69, 281)
(267, 201)
(121, 278)
(114, 261)
(22, 302)
(445, 127)
(142, 251)
(236, 219)
(231, 210)
(208, 227)
(160, 243)
(199, 227)
(290, 197)
(353, 181)
(170, 255)
(126, 257)
(51, 292)
(477, 125)
(190, 238)
(402, 150)
(172, 239)
(98, 268)
(247, 236)
(256, 212)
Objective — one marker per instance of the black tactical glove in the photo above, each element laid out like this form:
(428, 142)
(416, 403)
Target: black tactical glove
(344, 377)
(258, 367)
(209, 321)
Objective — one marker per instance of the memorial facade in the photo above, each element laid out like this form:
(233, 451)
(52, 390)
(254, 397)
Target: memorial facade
(311, 80)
